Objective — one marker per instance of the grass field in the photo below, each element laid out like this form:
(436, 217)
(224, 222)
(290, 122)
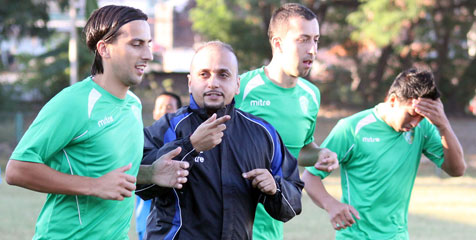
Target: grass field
(441, 207)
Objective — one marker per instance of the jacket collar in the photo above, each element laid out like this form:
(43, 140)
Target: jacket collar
(227, 110)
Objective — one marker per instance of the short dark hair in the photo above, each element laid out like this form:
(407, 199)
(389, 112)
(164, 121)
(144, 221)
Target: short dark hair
(414, 83)
(280, 17)
(104, 24)
(171, 94)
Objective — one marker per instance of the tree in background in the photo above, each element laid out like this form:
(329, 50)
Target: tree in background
(24, 18)
(243, 24)
(47, 74)
(373, 40)
(417, 33)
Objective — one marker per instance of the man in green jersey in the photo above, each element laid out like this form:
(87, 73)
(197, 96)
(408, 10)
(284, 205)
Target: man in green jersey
(379, 151)
(85, 146)
(278, 94)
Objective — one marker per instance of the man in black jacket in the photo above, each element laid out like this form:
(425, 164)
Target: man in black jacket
(236, 160)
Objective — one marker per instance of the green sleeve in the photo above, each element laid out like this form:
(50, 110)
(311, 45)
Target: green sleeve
(340, 141)
(238, 99)
(432, 146)
(310, 133)
(54, 127)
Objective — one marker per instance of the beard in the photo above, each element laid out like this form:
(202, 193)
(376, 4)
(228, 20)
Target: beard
(216, 105)
(298, 72)
(131, 81)
(213, 107)
(304, 72)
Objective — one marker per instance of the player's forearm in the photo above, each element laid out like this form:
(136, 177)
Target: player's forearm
(41, 178)
(316, 190)
(145, 175)
(309, 154)
(454, 163)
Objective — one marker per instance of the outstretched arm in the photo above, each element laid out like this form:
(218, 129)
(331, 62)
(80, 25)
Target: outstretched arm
(165, 171)
(433, 110)
(115, 185)
(340, 214)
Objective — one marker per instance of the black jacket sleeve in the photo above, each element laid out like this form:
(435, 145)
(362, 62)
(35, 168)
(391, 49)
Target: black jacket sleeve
(159, 139)
(286, 203)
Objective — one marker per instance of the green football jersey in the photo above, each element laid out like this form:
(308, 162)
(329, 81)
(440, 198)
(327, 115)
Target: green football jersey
(85, 131)
(292, 112)
(378, 170)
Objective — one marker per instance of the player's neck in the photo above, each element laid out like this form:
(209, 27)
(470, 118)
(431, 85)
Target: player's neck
(276, 74)
(112, 85)
(383, 111)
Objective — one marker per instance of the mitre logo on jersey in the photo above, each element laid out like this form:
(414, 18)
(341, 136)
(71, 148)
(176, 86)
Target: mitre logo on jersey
(105, 121)
(304, 102)
(370, 139)
(260, 103)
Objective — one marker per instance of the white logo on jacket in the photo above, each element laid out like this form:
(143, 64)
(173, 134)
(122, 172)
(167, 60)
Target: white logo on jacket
(199, 159)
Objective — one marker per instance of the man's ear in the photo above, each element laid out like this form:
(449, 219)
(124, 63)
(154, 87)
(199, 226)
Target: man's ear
(238, 87)
(392, 99)
(276, 43)
(102, 49)
(189, 83)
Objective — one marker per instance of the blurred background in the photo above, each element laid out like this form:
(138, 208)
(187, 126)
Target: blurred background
(363, 46)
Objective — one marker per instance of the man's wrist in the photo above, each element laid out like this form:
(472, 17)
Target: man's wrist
(145, 174)
(193, 143)
(189, 145)
(89, 188)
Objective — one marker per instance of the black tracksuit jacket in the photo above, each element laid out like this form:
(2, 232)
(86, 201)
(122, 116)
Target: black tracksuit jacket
(217, 202)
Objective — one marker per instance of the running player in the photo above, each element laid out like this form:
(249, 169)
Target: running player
(278, 93)
(85, 146)
(379, 151)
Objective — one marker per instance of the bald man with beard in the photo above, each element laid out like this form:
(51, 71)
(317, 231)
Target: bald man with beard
(236, 160)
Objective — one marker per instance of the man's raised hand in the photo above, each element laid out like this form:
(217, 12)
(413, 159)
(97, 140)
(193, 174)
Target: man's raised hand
(209, 133)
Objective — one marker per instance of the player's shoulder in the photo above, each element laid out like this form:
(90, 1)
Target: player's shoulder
(247, 76)
(359, 119)
(72, 97)
(133, 97)
(304, 83)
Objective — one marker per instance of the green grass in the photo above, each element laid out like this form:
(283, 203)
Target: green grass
(441, 208)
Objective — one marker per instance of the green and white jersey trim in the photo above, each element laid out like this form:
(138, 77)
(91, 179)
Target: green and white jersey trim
(306, 88)
(255, 82)
(76, 196)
